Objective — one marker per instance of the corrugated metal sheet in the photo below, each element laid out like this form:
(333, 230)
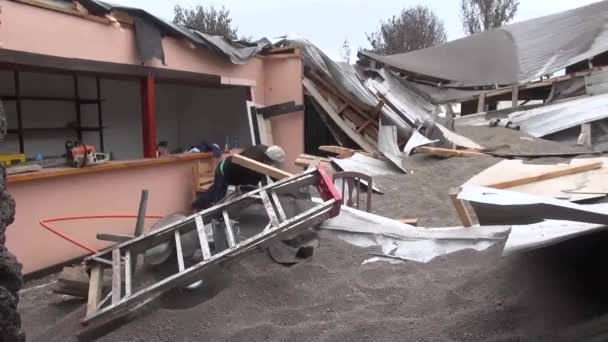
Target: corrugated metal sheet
(542, 121)
(597, 84)
(516, 53)
(236, 52)
(414, 108)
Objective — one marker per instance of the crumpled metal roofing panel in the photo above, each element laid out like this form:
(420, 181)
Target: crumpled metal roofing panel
(543, 121)
(516, 53)
(237, 53)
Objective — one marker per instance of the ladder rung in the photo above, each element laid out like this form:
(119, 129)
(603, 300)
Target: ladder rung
(116, 276)
(229, 232)
(128, 273)
(202, 236)
(178, 249)
(269, 209)
(277, 204)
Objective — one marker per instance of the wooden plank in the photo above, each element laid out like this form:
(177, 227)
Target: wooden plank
(270, 209)
(116, 276)
(364, 126)
(342, 108)
(546, 175)
(358, 139)
(335, 149)
(260, 167)
(202, 237)
(13, 170)
(463, 214)
(481, 104)
(447, 152)
(95, 288)
(229, 233)
(330, 89)
(110, 166)
(74, 281)
(178, 250)
(128, 273)
(410, 221)
(515, 96)
(280, 109)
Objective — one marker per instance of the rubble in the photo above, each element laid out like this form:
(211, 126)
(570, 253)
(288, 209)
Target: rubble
(392, 116)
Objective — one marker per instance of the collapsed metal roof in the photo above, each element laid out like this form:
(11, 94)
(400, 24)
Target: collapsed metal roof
(236, 52)
(542, 121)
(517, 53)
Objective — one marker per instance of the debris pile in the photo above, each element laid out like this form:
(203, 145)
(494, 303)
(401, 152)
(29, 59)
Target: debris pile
(480, 155)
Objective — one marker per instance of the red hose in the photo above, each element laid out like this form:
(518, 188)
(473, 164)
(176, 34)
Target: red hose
(45, 223)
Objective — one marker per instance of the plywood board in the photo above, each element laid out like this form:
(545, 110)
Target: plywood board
(575, 187)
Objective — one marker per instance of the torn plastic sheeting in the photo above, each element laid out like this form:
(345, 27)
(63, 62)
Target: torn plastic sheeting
(412, 243)
(416, 140)
(497, 207)
(529, 237)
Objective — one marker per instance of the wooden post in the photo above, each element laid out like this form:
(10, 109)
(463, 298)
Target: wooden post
(148, 111)
(481, 105)
(515, 96)
(460, 208)
(95, 288)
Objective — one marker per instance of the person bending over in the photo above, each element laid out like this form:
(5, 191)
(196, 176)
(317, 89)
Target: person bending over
(228, 173)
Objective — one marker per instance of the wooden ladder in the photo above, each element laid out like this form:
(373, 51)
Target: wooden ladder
(123, 297)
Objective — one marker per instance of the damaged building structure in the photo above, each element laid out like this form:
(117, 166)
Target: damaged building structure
(123, 80)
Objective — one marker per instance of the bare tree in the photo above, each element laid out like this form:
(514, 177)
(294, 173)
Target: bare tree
(415, 28)
(345, 51)
(481, 15)
(207, 20)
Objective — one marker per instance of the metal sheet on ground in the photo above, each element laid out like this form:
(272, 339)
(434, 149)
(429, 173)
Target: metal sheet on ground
(407, 242)
(499, 207)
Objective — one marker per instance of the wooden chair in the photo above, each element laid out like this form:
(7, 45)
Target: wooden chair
(353, 180)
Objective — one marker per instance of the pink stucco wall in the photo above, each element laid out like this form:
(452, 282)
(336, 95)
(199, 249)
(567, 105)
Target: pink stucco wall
(284, 83)
(32, 29)
(116, 191)
(27, 28)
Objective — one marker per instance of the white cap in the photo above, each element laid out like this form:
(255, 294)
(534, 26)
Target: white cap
(275, 153)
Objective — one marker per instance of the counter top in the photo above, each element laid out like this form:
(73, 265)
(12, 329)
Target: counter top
(110, 166)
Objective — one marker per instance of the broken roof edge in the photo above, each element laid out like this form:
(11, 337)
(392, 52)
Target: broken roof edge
(535, 47)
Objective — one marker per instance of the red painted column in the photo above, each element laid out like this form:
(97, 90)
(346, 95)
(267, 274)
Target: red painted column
(148, 116)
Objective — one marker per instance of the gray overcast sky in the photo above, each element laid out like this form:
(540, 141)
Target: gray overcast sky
(326, 23)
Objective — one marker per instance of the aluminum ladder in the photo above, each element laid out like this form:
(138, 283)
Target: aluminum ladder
(123, 299)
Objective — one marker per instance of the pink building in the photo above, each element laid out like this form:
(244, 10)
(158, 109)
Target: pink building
(72, 73)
